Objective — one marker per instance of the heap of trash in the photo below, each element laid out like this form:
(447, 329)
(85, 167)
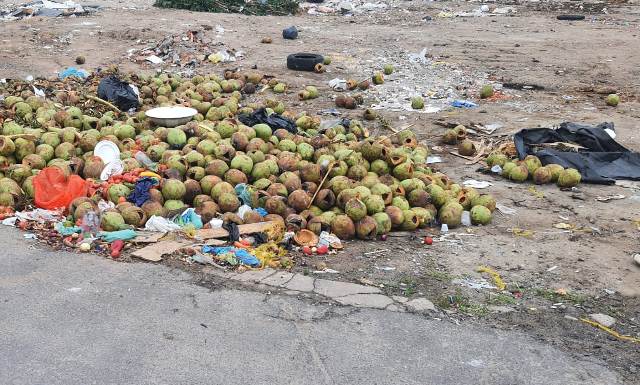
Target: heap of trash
(199, 159)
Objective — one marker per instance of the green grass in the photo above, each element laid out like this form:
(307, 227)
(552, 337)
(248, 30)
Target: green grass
(501, 299)
(552, 296)
(463, 304)
(441, 276)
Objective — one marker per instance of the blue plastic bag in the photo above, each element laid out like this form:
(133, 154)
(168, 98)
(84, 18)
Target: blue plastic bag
(243, 255)
(123, 235)
(73, 71)
(189, 217)
(463, 104)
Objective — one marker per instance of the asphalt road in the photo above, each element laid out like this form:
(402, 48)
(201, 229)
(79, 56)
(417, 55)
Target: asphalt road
(82, 319)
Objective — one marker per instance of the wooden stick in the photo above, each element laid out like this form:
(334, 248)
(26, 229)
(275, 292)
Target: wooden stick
(321, 183)
(104, 102)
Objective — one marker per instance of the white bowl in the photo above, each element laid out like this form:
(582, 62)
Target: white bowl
(171, 116)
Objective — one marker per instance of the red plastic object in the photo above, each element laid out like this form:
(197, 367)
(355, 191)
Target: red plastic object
(116, 248)
(53, 189)
(307, 250)
(323, 249)
(428, 241)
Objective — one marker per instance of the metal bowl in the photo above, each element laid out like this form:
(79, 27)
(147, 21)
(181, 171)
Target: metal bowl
(171, 116)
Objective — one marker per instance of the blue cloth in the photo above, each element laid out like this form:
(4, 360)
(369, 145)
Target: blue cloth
(243, 255)
(261, 211)
(72, 71)
(189, 217)
(67, 230)
(463, 104)
(124, 235)
(140, 193)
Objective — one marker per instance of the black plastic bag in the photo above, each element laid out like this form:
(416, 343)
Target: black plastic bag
(603, 160)
(118, 92)
(234, 231)
(274, 121)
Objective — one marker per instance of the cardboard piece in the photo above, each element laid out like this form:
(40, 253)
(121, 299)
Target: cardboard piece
(222, 233)
(155, 251)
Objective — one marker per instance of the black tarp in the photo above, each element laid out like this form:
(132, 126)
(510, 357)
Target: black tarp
(603, 160)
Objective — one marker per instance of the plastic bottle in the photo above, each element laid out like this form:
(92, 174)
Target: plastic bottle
(145, 161)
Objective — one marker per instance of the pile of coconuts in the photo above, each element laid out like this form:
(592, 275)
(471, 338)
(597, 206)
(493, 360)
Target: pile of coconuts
(374, 185)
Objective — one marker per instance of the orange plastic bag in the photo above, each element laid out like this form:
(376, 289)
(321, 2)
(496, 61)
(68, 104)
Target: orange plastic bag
(54, 190)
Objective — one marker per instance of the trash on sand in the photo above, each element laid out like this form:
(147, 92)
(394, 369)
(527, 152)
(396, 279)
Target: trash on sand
(505, 209)
(636, 259)
(123, 235)
(338, 84)
(600, 159)
(473, 283)
(610, 331)
(478, 184)
(47, 8)
(222, 56)
(497, 280)
(463, 104)
(30, 236)
(608, 198)
(53, 189)
(72, 71)
(522, 232)
(155, 251)
(552, 268)
(564, 226)
(224, 253)
(154, 59)
(433, 159)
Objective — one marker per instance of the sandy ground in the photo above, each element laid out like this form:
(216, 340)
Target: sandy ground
(576, 64)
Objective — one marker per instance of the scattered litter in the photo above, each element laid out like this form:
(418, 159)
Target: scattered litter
(434, 159)
(497, 280)
(72, 71)
(522, 232)
(338, 84)
(154, 59)
(608, 198)
(463, 104)
(610, 331)
(505, 209)
(47, 8)
(552, 268)
(30, 236)
(476, 184)
(386, 268)
(156, 223)
(564, 226)
(326, 271)
(473, 283)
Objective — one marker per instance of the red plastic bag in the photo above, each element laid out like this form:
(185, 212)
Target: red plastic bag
(53, 189)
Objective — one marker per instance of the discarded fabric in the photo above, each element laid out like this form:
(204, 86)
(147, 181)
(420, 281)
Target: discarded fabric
(123, 235)
(602, 160)
(140, 193)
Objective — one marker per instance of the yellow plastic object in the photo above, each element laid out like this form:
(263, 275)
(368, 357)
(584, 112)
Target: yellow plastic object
(497, 280)
(610, 331)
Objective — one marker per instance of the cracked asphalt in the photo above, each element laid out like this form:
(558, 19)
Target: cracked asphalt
(83, 319)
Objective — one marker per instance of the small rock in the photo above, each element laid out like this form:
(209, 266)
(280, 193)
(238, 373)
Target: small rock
(603, 319)
(420, 305)
(399, 298)
(636, 259)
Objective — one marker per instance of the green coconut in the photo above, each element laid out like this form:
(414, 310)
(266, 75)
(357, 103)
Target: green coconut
(112, 221)
(410, 220)
(533, 163)
(176, 137)
(555, 170)
(355, 209)
(519, 173)
(116, 191)
(343, 227)
(173, 205)
(508, 166)
(401, 203)
(569, 178)
(221, 188)
(542, 175)
(383, 223)
(366, 228)
(228, 202)
(451, 214)
(374, 204)
(480, 215)
(486, 91)
(496, 159)
(612, 100)
(7, 199)
(173, 189)
(485, 200)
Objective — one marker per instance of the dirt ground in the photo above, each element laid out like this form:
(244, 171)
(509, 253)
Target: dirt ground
(573, 66)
